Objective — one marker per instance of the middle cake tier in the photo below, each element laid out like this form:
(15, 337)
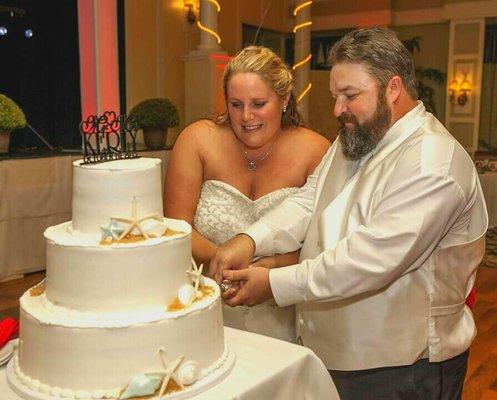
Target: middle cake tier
(85, 275)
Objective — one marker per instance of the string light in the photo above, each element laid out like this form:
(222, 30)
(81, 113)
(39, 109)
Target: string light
(302, 25)
(304, 92)
(218, 7)
(211, 31)
(301, 6)
(300, 63)
(306, 59)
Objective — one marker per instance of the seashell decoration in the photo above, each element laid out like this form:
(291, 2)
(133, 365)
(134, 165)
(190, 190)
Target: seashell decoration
(154, 228)
(141, 385)
(188, 372)
(187, 295)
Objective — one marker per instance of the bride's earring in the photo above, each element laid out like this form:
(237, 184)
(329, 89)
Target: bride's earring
(284, 109)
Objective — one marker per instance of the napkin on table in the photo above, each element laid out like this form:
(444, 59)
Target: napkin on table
(471, 299)
(8, 328)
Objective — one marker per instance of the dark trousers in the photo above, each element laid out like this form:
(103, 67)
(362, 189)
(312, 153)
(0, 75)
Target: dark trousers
(421, 381)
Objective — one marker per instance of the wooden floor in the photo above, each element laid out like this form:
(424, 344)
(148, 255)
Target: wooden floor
(481, 380)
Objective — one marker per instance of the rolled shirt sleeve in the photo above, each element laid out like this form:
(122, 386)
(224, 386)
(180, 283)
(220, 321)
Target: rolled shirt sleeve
(406, 226)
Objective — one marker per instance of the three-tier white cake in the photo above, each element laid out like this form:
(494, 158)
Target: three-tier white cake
(123, 312)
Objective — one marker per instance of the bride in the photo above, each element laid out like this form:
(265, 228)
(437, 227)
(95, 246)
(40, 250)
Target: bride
(227, 171)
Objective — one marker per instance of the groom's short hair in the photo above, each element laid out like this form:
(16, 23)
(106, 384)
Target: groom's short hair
(381, 52)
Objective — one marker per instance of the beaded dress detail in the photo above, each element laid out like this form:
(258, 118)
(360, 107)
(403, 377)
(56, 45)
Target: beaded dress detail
(222, 212)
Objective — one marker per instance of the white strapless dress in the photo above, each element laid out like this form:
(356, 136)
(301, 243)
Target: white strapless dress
(222, 212)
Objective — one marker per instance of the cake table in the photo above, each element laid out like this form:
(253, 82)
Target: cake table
(265, 368)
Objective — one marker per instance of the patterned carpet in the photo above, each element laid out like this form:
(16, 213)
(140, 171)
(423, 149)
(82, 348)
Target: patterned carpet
(490, 259)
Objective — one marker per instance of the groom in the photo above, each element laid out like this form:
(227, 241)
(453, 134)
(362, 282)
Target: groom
(392, 224)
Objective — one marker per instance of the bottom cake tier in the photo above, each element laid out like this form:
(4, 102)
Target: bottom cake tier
(91, 356)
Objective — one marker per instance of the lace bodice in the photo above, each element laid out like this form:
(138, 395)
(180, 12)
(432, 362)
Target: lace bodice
(223, 211)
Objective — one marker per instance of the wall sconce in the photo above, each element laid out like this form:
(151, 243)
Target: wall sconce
(453, 90)
(459, 91)
(190, 15)
(464, 90)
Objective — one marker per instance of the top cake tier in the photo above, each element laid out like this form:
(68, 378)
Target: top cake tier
(105, 190)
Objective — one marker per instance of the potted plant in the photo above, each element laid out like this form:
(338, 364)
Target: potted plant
(154, 117)
(11, 117)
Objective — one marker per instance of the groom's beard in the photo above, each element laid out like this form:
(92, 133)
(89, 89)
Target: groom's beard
(360, 139)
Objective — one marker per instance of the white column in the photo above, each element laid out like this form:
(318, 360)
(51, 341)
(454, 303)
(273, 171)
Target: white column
(160, 46)
(302, 50)
(98, 55)
(208, 19)
(203, 69)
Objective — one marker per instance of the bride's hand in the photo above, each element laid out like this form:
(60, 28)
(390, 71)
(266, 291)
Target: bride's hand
(236, 253)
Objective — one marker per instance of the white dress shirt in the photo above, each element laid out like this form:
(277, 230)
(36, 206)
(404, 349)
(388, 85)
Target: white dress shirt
(390, 249)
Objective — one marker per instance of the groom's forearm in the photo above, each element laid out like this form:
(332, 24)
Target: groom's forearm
(283, 260)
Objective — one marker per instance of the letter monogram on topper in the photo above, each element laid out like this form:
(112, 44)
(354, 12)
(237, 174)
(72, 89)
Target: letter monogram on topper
(108, 137)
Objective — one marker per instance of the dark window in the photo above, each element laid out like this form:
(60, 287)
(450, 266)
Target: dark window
(41, 73)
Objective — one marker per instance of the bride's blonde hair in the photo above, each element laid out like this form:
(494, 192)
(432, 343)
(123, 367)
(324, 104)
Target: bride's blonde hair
(272, 70)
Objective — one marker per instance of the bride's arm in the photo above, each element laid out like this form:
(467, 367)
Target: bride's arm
(183, 185)
(202, 249)
(278, 260)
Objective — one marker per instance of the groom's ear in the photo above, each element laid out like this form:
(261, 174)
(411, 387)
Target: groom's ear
(394, 89)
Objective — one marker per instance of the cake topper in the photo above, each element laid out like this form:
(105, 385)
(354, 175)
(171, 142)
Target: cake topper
(108, 137)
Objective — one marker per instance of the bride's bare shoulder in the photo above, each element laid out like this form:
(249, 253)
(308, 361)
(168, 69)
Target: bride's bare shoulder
(308, 141)
(200, 128)
(201, 132)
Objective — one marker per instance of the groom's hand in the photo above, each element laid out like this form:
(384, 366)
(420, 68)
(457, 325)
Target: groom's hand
(256, 288)
(236, 253)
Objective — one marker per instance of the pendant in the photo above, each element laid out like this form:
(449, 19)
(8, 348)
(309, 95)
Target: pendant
(251, 165)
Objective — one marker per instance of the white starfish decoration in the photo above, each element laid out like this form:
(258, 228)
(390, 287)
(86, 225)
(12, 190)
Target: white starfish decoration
(134, 221)
(169, 372)
(195, 273)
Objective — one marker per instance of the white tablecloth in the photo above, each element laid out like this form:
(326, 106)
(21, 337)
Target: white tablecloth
(265, 368)
(489, 185)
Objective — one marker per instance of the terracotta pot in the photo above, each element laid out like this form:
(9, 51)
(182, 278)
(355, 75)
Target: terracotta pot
(4, 141)
(155, 138)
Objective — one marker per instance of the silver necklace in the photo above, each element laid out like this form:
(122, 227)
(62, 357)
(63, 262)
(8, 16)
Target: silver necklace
(252, 164)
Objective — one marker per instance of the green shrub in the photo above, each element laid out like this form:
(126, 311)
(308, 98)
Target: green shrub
(158, 113)
(11, 115)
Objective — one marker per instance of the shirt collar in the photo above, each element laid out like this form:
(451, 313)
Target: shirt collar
(401, 126)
